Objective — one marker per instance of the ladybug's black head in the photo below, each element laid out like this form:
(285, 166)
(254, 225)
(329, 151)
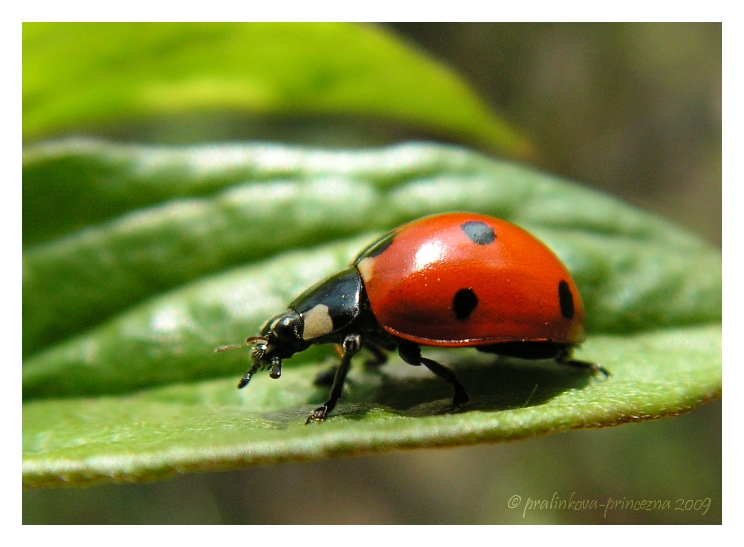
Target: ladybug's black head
(322, 314)
(280, 338)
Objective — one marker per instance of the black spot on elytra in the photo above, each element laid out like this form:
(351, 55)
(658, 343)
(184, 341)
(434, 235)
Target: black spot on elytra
(565, 297)
(378, 247)
(479, 232)
(464, 303)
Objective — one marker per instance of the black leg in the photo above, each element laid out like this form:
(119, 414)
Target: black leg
(379, 355)
(325, 377)
(411, 354)
(248, 375)
(352, 345)
(565, 359)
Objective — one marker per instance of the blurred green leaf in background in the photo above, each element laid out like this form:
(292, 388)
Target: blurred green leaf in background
(77, 75)
(139, 258)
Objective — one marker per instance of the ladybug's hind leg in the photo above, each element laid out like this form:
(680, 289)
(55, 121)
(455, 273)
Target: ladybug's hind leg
(411, 354)
(564, 358)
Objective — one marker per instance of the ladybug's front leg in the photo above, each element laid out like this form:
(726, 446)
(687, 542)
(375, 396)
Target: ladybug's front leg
(411, 354)
(351, 346)
(378, 358)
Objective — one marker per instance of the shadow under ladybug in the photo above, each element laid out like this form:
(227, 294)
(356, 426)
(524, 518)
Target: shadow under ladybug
(451, 280)
(493, 383)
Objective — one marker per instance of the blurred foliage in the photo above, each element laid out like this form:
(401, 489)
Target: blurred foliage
(633, 109)
(109, 229)
(89, 74)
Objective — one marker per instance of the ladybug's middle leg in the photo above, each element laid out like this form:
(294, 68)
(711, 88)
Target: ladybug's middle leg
(351, 346)
(566, 358)
(411, 354)
(379, 355)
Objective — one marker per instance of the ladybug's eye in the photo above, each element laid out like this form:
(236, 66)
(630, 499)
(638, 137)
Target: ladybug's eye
(258, 351)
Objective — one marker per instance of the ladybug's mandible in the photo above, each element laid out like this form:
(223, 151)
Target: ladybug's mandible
(449, 280)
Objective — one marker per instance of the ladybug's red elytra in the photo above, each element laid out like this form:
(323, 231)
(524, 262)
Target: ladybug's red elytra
(448, 280)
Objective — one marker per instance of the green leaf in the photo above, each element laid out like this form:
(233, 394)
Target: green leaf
(88, 74)
(212, 425)
(141, 239)
(122, 308)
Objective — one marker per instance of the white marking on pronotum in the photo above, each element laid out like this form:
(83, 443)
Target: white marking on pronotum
(366, 267)
(317, 322)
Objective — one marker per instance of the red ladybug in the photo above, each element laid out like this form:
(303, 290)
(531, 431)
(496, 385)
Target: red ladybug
(449, 280)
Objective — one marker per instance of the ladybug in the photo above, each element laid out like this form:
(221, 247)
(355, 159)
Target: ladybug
(448, 280)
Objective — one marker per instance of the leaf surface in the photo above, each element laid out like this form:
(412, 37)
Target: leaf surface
(121, 313)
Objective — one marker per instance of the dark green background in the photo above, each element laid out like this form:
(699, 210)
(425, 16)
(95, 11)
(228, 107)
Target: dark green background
(633, 109)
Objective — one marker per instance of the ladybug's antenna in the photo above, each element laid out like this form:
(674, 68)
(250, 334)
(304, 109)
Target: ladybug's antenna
(248, 342)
